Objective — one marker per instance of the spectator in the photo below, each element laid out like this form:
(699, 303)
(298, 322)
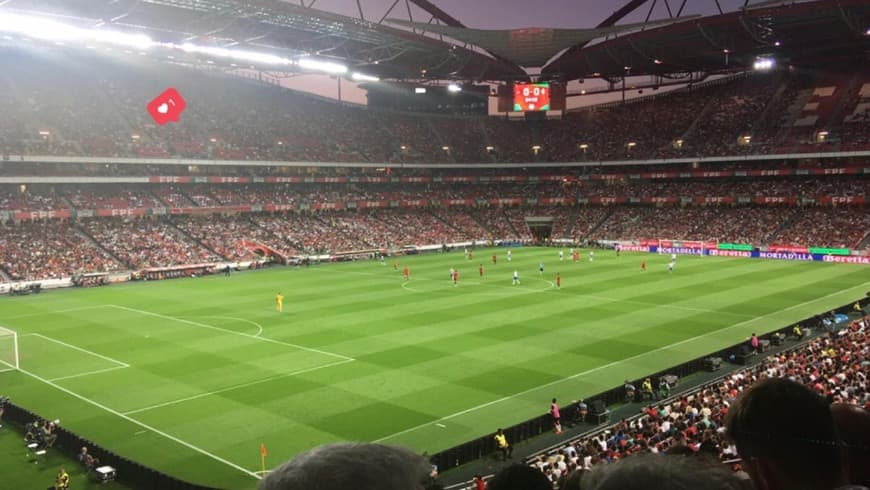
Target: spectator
(582, 410)
(47, 435)
(359, 466)
(853, 427)
(671, 472)
(519, 477)
(87, 459)
(786, 436)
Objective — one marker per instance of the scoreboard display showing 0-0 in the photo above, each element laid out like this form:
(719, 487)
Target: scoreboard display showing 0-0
(531, 97)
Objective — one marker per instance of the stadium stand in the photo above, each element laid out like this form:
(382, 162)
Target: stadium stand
(830, 365)
(779, 112)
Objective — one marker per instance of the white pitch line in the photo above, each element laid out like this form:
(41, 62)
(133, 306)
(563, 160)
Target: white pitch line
(609, 365)
(242, 334)
(140, 424)
(250, 322)
(80, 349)
(235, 387)
(98, 371)
(68, 310)
(671, 306)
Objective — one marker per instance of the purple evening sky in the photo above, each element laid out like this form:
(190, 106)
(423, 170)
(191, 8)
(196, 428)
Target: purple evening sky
(501, 14)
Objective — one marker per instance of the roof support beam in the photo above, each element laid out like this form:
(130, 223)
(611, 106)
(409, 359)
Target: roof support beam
(436, 12)
(682, 5)
(395, 2)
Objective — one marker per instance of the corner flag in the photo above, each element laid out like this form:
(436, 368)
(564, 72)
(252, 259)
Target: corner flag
(263, 455)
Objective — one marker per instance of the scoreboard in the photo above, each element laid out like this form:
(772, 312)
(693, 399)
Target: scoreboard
(531, 97)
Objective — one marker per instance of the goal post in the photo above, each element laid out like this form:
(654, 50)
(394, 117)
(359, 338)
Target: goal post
(8, 349)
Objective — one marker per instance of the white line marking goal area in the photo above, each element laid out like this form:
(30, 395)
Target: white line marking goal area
(95, 363)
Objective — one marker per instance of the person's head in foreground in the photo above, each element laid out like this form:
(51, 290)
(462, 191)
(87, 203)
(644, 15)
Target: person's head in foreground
(656, 472)
(519, 477)
(786, 436)
(352, 466)
(853, 427)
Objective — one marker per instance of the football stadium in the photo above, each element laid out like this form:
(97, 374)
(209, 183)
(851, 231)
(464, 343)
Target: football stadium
(431, 244)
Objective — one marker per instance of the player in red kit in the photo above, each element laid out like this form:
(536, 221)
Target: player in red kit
(643, 266)
(406, 273)
(576, 256)
(455, 277)
(494, 258)
(470, 254)
(480, 269)
(558, 280)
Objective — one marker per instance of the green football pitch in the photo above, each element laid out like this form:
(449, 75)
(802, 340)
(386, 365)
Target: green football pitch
(190, 376)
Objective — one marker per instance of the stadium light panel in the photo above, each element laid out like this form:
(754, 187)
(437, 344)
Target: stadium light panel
(137, 41)
(361, 77)
(454, 88)
(39, 28)
(324, 66)
(763, 64)
(420, 90)
(234, 54)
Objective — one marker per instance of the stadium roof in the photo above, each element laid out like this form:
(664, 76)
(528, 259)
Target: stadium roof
(531, 47)
(281, 28)
(799, 33)
(790, 31)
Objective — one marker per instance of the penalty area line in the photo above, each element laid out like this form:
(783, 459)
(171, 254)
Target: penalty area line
(236, 387)
(233, 332)
(142, 424)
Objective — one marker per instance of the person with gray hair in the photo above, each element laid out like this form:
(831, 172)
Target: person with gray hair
(353, 466)
(655, 472)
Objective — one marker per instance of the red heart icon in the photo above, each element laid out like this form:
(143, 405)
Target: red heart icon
(166, 107)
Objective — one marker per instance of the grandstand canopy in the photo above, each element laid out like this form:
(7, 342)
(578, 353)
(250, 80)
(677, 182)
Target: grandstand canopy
(443, 48)
(797, 33)
(531, 47)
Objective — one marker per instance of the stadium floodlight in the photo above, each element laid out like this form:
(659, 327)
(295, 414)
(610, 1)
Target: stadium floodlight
(420, 90)
(324, 66)
(454, 88)
(39, 28)
(631, 144)
(763, 64)
(584, 146)
(138, 41)
(361, 77)
(234, 54)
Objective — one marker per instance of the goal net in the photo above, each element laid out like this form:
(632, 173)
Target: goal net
(8, 349)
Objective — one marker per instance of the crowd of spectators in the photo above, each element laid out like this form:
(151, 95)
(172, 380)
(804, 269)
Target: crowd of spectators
(49, 250)
(93, 107)
(52, 248)
(145, 243)
(833, 366)
(107, 197)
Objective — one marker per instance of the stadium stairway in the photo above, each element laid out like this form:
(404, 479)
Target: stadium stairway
(711, 103)
(192, 238)
(864, 242)
(93, 241)
(600, 223)
(786, 224)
